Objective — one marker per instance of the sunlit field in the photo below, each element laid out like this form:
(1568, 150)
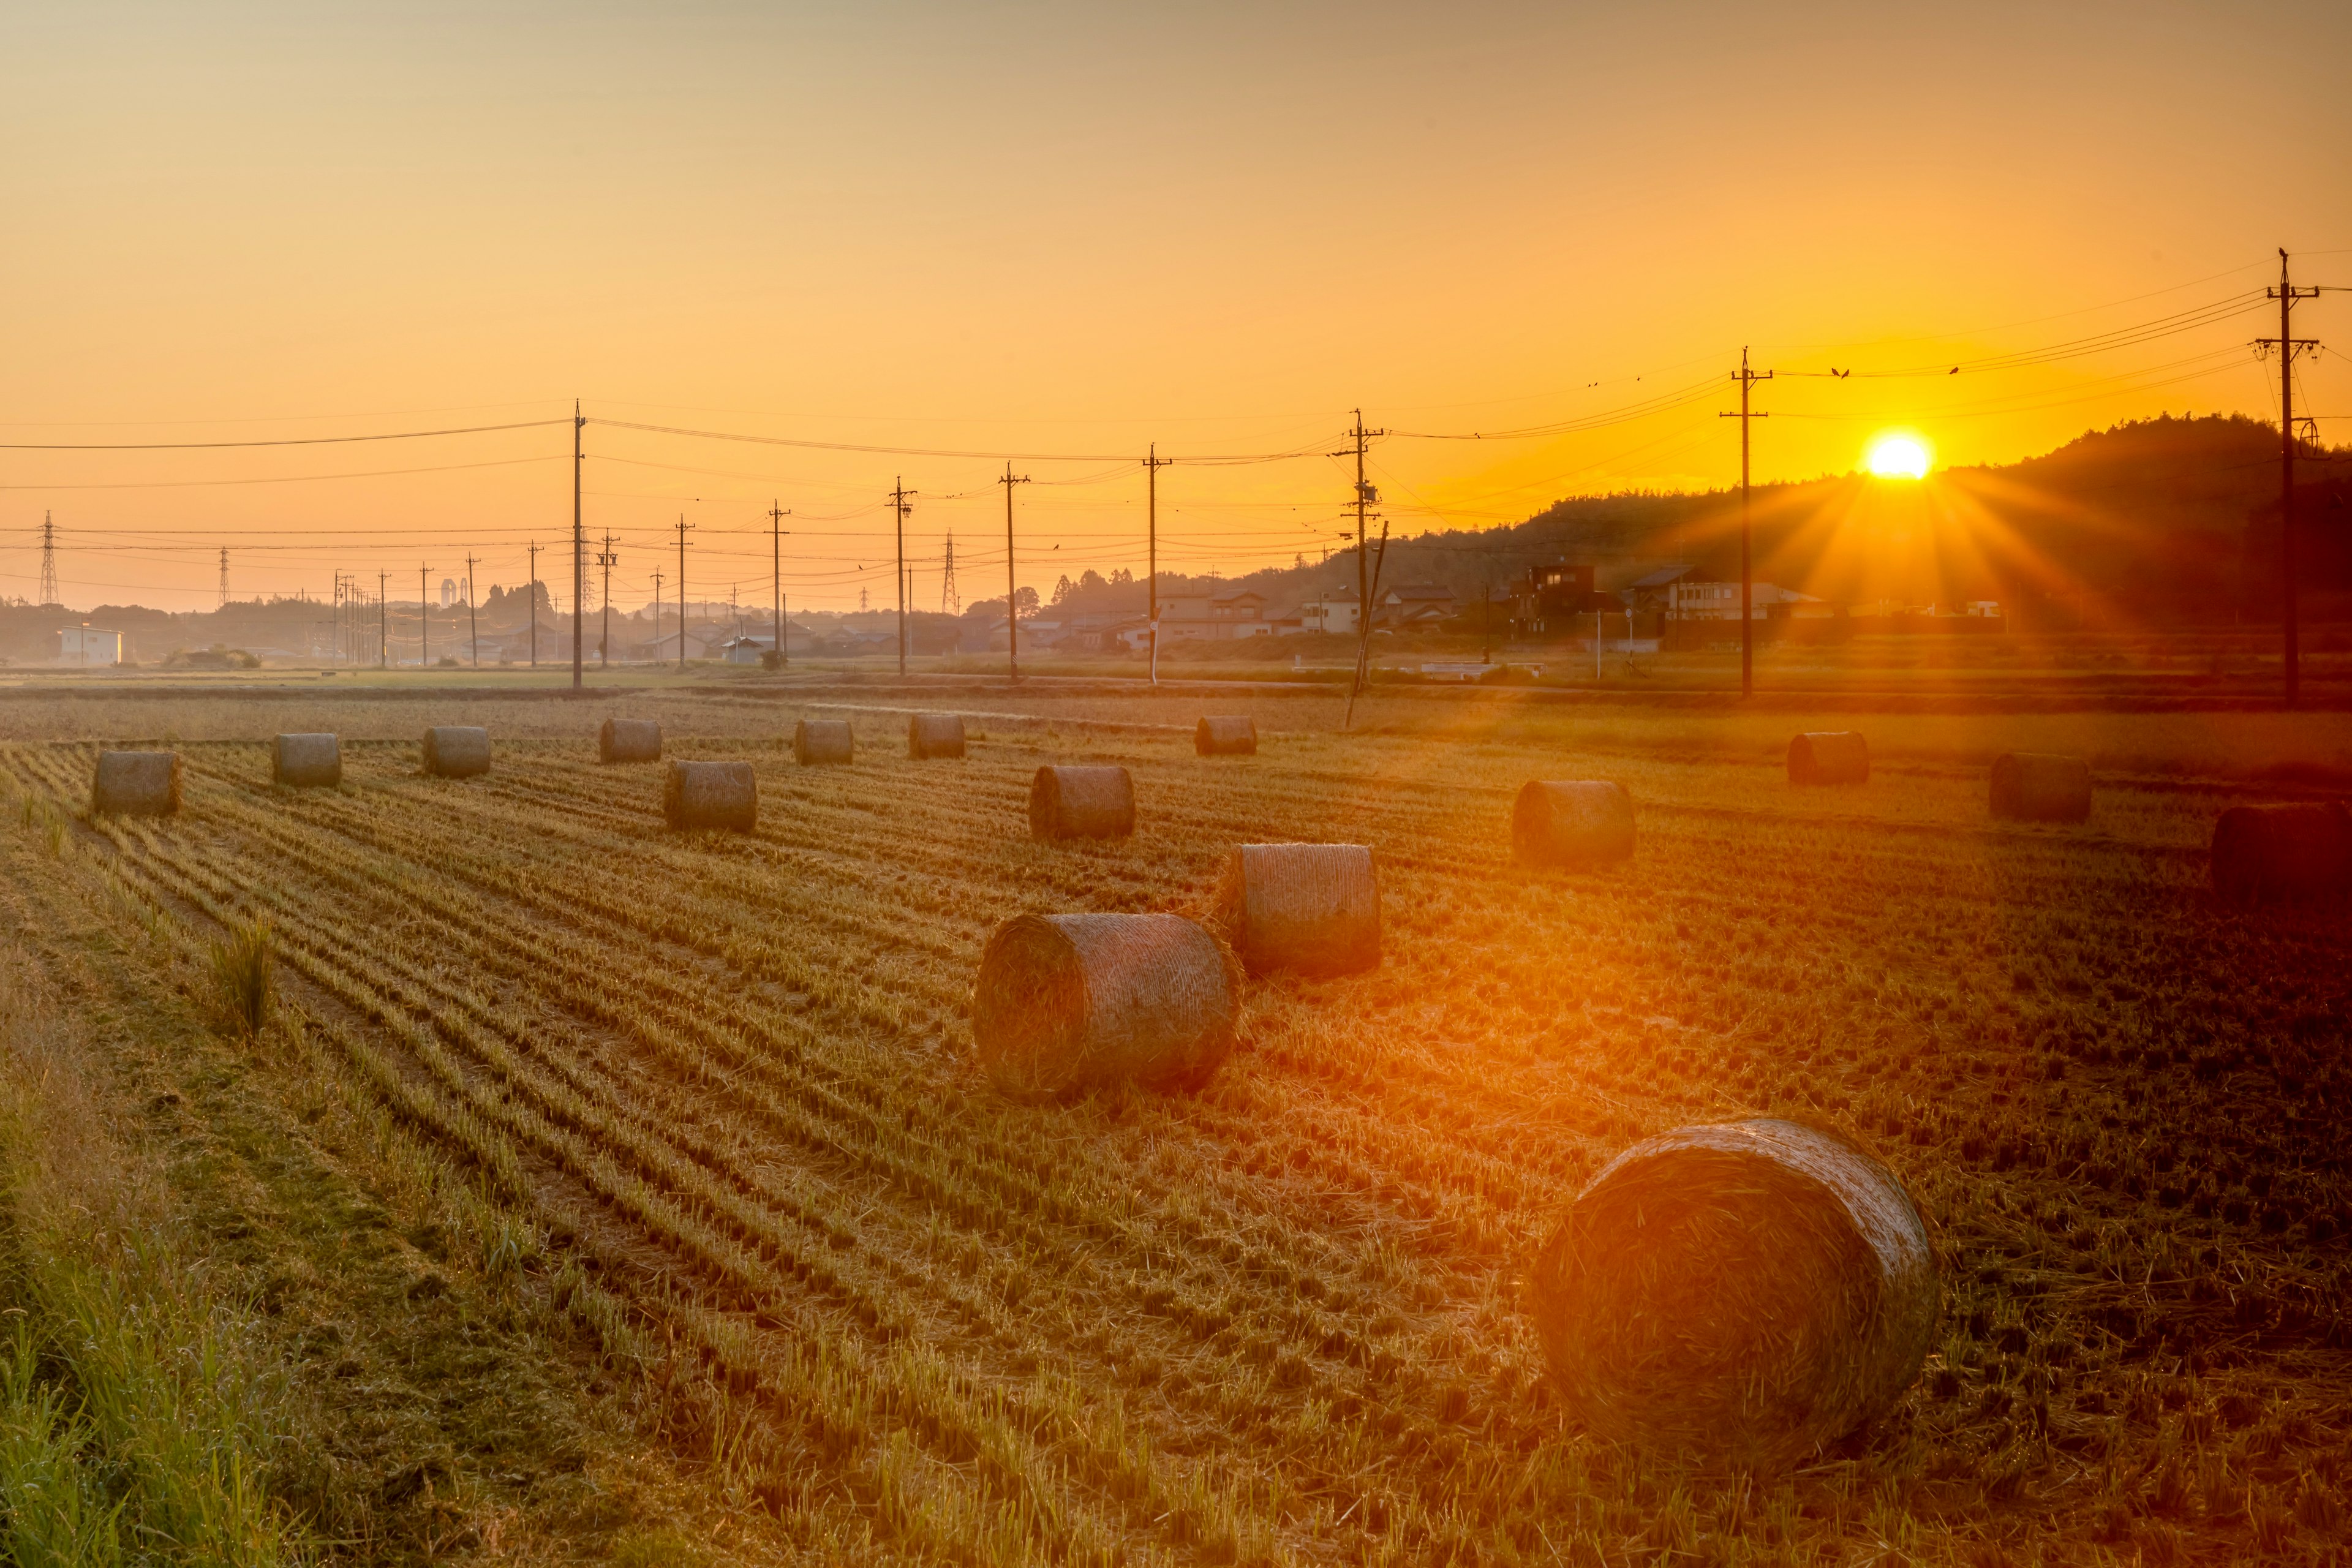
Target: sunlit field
(604, 1190)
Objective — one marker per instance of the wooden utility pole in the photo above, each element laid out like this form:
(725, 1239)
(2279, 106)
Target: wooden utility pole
(776, 515)
(473, 625)
(1152, 463)
(1012, 606)
(1365, 496)
(424, 617)
(682, 526)
(382, 621)
(608, 560)
(579, 550)
(898, 511)
(532, 550)
(657, 582)
(2287, 344)
(1747, 379)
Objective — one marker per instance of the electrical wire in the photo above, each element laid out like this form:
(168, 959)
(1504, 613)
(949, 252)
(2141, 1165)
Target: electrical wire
(285, 441)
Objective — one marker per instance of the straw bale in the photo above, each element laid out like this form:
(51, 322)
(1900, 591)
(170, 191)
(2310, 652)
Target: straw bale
(1081, 802)
(1226, 735)
(1829, 757)
(311, 761)
(935, 735)
(710, 794)
(1312, 909)
(136, 784)
(1064, 1004)
(629, 740)
(823, 741)
(1747, 1293)
(2035, 786)
(1558, 822)
(2263, 853)
(456, 750)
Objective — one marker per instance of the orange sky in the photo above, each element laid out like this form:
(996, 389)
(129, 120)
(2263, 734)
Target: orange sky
(1072, 229)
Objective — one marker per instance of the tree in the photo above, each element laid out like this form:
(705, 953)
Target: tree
(1062, 588)
(1025, 600)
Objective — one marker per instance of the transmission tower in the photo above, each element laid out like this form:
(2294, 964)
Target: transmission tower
(48, 561)
(224, 582)
(951, 604)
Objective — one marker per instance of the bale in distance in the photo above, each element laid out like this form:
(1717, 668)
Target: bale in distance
(1064, 1004)
(456, 750)
(1081, 802)
(306, 762)
(2037, 786)
(1829, 757)
(935, 735)
(710, 794)
(1563, 822)
(1748, 1293)
(136, 784)
(629, 740)
(2282, 852)
(823, 741)
(1226, 735)
(1312, 909)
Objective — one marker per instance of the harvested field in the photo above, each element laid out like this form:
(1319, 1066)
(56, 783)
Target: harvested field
(724, 1211)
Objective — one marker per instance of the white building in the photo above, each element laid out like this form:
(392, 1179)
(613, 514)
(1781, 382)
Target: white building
(1331, 613)
(1217, 615)
(89, 645)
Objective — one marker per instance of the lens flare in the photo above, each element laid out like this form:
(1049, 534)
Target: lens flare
(1898, 455)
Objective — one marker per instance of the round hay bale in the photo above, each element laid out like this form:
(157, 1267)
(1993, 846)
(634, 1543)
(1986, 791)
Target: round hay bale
(1081, 802)
(1749, 1293)
(1829, 757)
(1558, 822)
(1312, 909)
(1067, 1002)
(456, 750)
(2277, 852)
(136, 784)
(2036, 786)
(823, 741)
(629, 740)
(935, 735)
(1226, 735)
(307, 762)
(710, 794)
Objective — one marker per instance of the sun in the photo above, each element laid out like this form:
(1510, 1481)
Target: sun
(1898, 455)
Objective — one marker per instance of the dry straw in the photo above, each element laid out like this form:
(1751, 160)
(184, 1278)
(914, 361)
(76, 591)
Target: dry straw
(1829, 757)
(456, 750)
(1226, 735)
(136, 784)
(2263, 853)
(1067, 1002)
(935, 735)
(306, 762)
(1081, 802)
(2035, 786)
(1747, 1294)
(629, 740)
(710, 794)
(823, 741)
(1558, 822)
(1312, 909)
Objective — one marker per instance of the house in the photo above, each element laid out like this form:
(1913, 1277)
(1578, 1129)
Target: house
(1213, 615)
(1332, 612)
(746, 649)
(1693, 599)
(88, 645)
(1416, 606)
(1552, 597)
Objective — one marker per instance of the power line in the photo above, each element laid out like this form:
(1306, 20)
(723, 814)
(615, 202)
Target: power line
(285, 441)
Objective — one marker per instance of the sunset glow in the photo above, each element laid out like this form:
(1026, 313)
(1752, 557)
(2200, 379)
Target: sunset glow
(1898, 455)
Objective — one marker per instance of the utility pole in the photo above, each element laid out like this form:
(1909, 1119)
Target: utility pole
(48, 561)
(682, 526)
(533, 549)
(579, 550)
(898, 511)
(224, 582)
(2287, 344)
(1012, 605)
(951, 602)
(473, 625)
(1747, 379)
(424, 617)
(608, 560)
(657, 582)
(776, 515)
(1366, 495)
(383, 622)
(1152, 463)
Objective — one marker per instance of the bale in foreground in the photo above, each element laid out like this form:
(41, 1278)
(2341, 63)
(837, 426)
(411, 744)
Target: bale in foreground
(1081, 802)
(1562, 822)
(1829, 757)
(2266, 852)
(710, 794)
(1312, 909)
(1068, 1002)
(629, 740)
(306, 762)
(1226, 735)
(2035, 786)
(1747, 1293)
(935, 735)
(823, 741)
(456, 750)
(136, 784)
